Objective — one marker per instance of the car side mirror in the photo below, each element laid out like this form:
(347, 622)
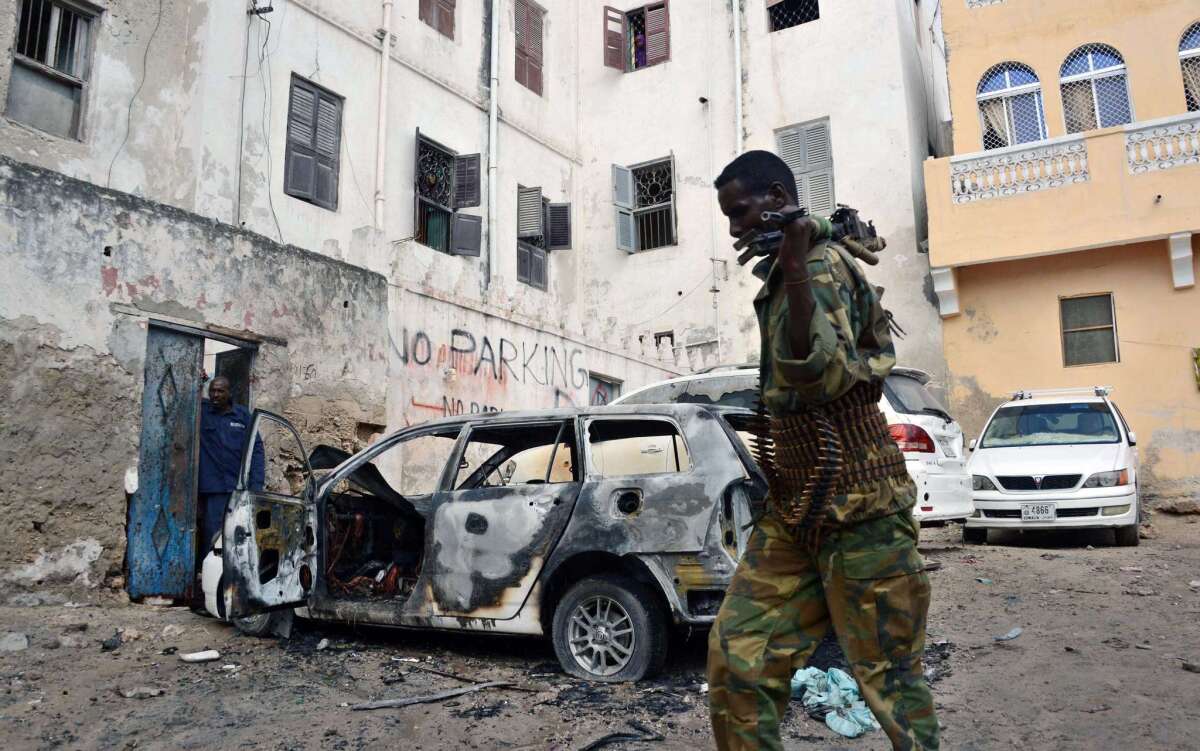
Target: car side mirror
(971, 445)
(1132, 438)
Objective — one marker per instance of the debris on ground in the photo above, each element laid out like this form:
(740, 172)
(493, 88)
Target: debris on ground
(1194, 584)
(1179, 506)
(937, 661)
(1116, 642)
(642, 734)
(207, 655)
(1013, 634)
(1132, 569)
(982, 580)
(833, 696)
(140, 692)
(322, 645)
(480, 713)
(428, 698)
(111, 643)
(1191, 667)
(172, 630)
(13, 642)
(1140, 591)
(1143, 646)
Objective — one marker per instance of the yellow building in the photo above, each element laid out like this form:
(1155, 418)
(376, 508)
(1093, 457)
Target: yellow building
(1064, 230)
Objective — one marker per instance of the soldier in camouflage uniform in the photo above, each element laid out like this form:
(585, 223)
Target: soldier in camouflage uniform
(849, 559)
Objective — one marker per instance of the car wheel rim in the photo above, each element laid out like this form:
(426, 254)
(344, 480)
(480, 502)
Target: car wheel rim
(601, 636)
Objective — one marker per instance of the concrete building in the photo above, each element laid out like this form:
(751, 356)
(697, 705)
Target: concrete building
(501, 205)
(1063, 229)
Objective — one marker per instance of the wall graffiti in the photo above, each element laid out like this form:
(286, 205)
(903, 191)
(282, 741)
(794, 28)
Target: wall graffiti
(469, 372)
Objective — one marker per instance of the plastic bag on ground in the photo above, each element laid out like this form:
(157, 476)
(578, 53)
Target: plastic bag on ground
(835, 695)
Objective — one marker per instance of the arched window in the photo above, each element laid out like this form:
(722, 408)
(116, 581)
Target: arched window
(1095, 89)
(1010, 106)
(1189, 60)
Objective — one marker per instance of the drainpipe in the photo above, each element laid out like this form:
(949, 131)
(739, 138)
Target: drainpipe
(493, 138)
(385, 46)
(737, 76)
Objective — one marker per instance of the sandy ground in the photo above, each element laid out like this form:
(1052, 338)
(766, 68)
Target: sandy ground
(1099, 665)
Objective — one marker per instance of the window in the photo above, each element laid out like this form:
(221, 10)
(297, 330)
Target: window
(439, 14)
(1189, 60)
(1095, 89)
(784, 14)
(602, 390)
(528, 18)
(1089, 330)
(638, 38)
(1010, 106)
(541, 226)
(644, 198)
(51, 66)
(414, 465)
(314, 137)
(517, 455)
(632, 447)
(445, 182)
(809, 153)
(1051, 425)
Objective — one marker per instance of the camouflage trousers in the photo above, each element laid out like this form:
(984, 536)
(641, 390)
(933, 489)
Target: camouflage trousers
(868, 581)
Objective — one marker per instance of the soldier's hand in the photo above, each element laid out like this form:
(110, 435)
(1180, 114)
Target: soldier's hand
(797, 241)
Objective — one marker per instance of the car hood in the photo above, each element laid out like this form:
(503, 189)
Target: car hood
(1046, 460)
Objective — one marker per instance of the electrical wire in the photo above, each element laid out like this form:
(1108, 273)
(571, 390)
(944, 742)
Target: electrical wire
(264, 63)
(703, 279)
(136, 92)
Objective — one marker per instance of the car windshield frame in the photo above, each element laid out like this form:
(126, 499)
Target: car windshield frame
(987, 441)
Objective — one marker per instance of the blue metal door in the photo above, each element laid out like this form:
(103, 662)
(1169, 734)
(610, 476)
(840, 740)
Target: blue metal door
(162, 513)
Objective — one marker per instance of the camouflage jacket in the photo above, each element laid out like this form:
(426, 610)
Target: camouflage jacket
(850, 344)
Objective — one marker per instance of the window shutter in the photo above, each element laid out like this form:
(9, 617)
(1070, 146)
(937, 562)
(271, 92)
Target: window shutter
(328, 141)
(616, 41)
(818, 152)
(559, 226)
(791, 148)
(819, 191)
(529, 212)
(523, 262)
(466, 180)
(300, 170)
(445, 13)
(623, 190)
(465, 235)
(425, 12)
(658, 34)
(533, 26)
(818, 157)
(537, 267)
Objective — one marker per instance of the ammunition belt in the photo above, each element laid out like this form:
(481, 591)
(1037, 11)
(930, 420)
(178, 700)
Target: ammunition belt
(815, 455)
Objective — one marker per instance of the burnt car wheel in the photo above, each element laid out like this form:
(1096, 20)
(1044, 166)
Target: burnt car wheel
(611, 629)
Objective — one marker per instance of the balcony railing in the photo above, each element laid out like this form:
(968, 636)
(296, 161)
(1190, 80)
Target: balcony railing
(1019, 169)
(981, 3)
(1163, 144)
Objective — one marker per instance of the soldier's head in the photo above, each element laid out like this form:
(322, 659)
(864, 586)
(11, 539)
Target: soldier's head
(219, 393)
(754, 182)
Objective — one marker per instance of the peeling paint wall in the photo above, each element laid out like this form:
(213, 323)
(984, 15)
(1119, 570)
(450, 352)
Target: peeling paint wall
(86, 270)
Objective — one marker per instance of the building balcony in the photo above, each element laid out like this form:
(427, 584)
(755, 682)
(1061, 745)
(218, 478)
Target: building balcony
(1114, 186)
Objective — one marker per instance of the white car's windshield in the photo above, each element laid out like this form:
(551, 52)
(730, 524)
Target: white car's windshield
(1051, 425)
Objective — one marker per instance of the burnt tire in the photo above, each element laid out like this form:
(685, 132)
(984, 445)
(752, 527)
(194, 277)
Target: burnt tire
(611, 629)
(1128, 536)
(974, 536)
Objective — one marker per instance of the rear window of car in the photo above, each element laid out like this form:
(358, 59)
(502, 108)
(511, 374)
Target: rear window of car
(1051, 425)
(725, 390)
(908, 395)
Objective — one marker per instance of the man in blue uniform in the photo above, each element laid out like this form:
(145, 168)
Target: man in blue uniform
(223, 430)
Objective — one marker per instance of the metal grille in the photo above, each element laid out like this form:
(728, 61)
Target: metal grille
(433, 225)
(1066, 512)
(1095, 90)
(435, 173)
(1048, 482)
(53, 35)
(654, 204)
(1010, 106)
(1189, 61)
(785, 14)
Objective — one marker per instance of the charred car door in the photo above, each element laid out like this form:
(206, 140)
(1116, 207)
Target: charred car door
(269, 537)
(497, 520)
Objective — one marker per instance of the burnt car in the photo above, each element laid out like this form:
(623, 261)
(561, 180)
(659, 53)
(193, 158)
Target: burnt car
(602, 528)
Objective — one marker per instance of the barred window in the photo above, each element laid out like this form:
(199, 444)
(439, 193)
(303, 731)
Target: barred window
(444, 182)
(784, 14)
(1089, 330)
(1189, 61)
(1010, 106)
(644, 198)
(1095, 89)
(51, 66)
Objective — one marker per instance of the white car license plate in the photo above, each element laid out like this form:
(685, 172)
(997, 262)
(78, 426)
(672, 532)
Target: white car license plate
(1038, 512)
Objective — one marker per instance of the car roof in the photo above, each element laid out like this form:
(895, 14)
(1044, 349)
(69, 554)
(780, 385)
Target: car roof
(747, 370)
(1038, 401)
(563, 413)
